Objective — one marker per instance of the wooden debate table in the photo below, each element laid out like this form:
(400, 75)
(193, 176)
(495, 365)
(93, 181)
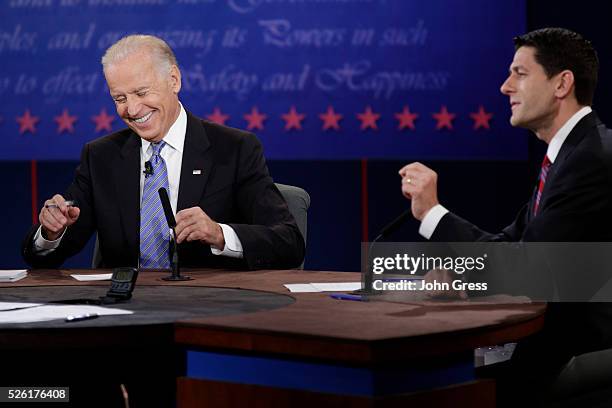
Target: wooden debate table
(229, 338)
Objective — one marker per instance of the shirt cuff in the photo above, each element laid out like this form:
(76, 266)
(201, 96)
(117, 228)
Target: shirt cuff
(42, 244)
(233, 246)
(431, 220)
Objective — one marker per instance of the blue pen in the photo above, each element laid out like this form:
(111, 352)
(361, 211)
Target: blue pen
(345, 296)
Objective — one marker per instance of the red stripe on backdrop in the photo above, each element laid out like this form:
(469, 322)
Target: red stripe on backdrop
(34, 186)
(364, 201)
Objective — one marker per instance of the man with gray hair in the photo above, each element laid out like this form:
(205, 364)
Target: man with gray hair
(228, 211)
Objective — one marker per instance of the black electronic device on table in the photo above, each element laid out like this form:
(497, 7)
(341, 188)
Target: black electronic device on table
(123, 281)
(122, 284)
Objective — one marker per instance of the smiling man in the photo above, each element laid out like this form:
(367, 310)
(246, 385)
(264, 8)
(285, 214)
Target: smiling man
(550, 87)
(229, 213)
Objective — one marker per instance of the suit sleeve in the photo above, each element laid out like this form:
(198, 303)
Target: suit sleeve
(76, 235)
(270, 237)
(574, 208)
(453, 228)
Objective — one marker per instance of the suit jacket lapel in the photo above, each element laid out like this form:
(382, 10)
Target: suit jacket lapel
(127, 180)
(197, 164)
(573, 139)
(532, 202)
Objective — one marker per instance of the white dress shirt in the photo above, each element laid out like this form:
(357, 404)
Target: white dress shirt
(173, 156)
(435, 214)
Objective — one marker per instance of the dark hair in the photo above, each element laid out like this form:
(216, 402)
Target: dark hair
(558, 49)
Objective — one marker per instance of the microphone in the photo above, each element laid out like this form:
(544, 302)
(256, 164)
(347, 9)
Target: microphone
(165, 201)
(384, 232)
(148, 171)
(173, 249)
(393, 225)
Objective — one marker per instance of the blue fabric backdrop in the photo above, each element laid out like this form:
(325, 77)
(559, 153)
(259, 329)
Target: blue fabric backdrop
(374, 62)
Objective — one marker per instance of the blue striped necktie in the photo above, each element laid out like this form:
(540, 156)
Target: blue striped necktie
(154, 230)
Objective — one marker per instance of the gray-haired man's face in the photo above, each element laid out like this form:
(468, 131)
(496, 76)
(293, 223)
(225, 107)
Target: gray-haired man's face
(146, 99)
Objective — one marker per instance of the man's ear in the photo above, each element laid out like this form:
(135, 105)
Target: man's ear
(564, 84)
(175, 79)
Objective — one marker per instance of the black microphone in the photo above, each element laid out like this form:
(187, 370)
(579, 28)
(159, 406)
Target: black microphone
(148, 171)
(165, 200)
(384, 232)
(173, 249)
(393, 225)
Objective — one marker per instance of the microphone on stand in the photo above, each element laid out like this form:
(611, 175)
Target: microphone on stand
(387, 229)
(173, 249)
(393, 225)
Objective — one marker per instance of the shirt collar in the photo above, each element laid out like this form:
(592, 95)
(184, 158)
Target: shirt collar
(175, 138)
(557, 141)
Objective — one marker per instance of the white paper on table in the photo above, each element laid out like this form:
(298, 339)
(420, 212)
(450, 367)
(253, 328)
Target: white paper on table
(16, 305)
(52, 312)
(92, 277)
(12, 275)
(301, 288)
(337, 286)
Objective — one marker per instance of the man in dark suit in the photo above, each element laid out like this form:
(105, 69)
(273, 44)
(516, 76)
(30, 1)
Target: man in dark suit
(229, 213)
(550, 85)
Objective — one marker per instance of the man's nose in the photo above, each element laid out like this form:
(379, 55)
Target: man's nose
(507, 88)
(133, 106)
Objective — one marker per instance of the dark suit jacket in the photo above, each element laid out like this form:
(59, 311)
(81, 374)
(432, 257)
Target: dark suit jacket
(234, 188)
(575, 206)
(576, 203)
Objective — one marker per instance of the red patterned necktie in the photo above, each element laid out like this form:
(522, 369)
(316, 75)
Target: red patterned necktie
(543, 173)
